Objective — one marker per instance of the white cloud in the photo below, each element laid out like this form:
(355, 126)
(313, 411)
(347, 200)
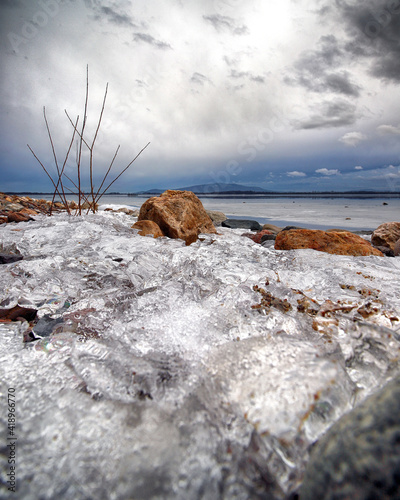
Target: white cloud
(388, 130)
(353, 138)
(358, 168)
(325, 171)
(296, 173)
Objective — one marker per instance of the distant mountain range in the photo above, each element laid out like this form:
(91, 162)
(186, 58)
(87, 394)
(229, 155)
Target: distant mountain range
(212, 189)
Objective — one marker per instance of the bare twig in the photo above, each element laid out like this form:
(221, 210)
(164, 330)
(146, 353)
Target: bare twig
(56, 162)
(124, 170)
(105, 177)
(44, 168)
(94, 140)
(81, 139)
(78, 193)
(63, 167)
(59, 188)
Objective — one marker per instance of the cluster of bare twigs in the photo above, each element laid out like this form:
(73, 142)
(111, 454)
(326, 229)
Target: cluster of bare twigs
(89, 201)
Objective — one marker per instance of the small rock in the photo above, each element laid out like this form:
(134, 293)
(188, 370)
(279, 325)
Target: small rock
(148, 227)
(257, 238)
(125, 210)
(28, 211)
(268, 237)
(85, 206)
(272, 228)
(216, 217)
(339, 243)
(242, 224)
(386, 235)
(14, 207)
(384, 203)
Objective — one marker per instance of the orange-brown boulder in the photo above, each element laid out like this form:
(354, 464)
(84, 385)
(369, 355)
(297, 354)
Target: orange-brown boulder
(339, 243)
(28, 211)
(147, 227)
(17, 217)
(179, 214)
(386, 235)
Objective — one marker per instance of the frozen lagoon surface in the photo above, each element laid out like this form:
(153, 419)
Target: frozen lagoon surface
(315, 213)
(155, 378)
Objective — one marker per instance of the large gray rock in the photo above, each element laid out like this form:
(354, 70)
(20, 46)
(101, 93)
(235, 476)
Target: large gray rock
(253, 225)
(359, 457)
(216, 217)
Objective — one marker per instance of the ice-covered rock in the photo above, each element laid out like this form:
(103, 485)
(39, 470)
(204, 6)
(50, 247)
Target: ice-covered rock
(162, 370)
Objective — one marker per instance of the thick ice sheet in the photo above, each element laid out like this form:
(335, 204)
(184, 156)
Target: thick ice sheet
(155, 377)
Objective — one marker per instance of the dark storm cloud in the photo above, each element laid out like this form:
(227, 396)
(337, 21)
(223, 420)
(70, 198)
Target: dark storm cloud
(374, 30)
(336, 113)
(226, 23)
(144, 37)
(317, 70)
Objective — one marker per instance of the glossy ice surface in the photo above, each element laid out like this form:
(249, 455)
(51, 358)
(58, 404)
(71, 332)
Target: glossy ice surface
(155, 378)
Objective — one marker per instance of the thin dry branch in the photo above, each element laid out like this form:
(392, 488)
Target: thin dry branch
(76, 130)
(81, 139)
(63, 167)
(56, 162)
(108, 171)
(78, 193)
(94, 140)
(124, 170)
(44, 168)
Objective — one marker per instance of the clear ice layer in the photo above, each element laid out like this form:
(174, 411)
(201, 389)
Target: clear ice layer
(165, 371)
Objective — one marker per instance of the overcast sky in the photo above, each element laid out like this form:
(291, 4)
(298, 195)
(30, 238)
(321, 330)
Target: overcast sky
(282, 94)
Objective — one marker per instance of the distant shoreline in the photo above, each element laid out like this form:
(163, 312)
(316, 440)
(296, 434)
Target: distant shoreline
(252, 194)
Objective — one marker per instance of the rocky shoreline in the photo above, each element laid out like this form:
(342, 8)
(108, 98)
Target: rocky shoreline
(385, 240)
(258, 360)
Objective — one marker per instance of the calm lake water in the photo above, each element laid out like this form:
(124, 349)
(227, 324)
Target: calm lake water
(365, 213)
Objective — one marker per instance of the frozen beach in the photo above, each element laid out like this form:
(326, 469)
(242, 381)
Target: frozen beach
(353, 213)
(153, 376)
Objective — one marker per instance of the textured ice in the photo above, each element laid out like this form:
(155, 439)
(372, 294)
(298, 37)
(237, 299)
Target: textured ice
(153, 377)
